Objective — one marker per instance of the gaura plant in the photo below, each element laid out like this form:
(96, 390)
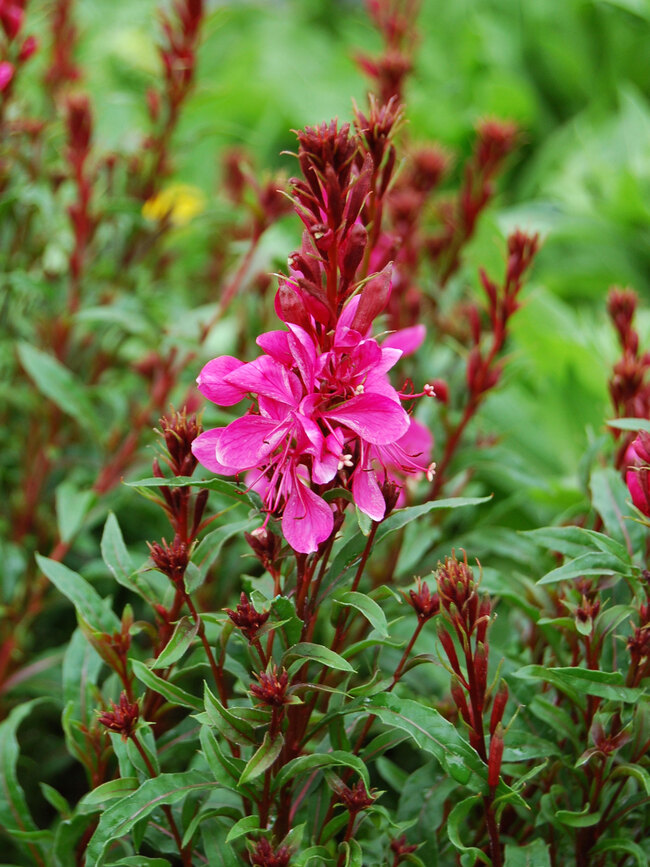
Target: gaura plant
(330, 707)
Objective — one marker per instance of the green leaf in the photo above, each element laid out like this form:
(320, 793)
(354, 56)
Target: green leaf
(622, 844)
(263, 758)
(284, 611)
(589, 563)
(640, 774)
(140, 861)
(305, 650)
(96, 798)
(584, 681)
(436, 735)
(228, 489)
(56, 799)
(181, 639)
(534, 855)
(574, 541)
(119, 819)
(72, 506)
(633, 424)
(231, 726)
(581, 819)
(115, 554)
(367, 606)
(610, 497)
(226, 770)
(244, 826)
(170, 691)
(457, 819)
(87, 602)
(14, 812)
(59, 385)
(306, 764)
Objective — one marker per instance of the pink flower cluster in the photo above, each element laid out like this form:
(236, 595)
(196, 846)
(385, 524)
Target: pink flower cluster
(324, 413)
(637, 476)
(318, 418)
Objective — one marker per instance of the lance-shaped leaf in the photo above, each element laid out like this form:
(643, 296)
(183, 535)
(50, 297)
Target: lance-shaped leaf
(263, 758)
(306, 651)
(170, 691)
(87, 602)
(120, 818)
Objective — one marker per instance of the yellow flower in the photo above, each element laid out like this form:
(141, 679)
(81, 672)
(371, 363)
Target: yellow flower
(179, 203)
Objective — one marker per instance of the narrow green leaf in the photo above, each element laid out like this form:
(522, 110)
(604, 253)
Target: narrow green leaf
(83, 596)
(115, 554)
(244, 826)
(367, 606)
(72, 506)
(181, 639)
(96, 798)
(581, 819)
(305, 650)
(59, 385)
(217, 712)
(263, 758)
(120, 818)
(14, 812)
(305, 764)
(209, 548)
(140, 861)
(583, 681)
(221, 486)
(457, 820)
(589, 563)
(170, 691)
(630, 424)
(622, 844)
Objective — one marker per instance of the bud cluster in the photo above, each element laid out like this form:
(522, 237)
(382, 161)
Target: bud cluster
(395, 21)
(123, 718)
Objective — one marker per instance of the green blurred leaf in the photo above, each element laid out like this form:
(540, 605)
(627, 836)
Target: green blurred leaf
(458, 819)
(60, 385)
(72, 506)
(119, 818)
(87, 602)
(535, 854)
(583, 681)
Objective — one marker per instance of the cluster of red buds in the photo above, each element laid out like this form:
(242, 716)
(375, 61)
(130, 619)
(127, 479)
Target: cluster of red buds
(484, 368)
(401, 849)
(495, 140)
(395, 21)
(469, 616)
(264, 855)
(247, 618)
(628, 386)
(425, 603)
(14, 49)
(171, 560)
(605, 744)
(62, 69)
(271, 692)
(178, 431)
(78, 121)
(355, 798)
(344, 178)
(123, 718)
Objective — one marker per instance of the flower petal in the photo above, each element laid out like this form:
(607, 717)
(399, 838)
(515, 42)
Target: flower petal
(248, 440)
(204, 449)
(367, 493)
(276, 344)
(375, 417)
(307, 520)
(267, 377)
(211, 381)
(406, 339)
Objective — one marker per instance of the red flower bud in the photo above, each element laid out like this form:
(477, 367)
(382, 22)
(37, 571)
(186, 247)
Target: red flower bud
(495, 757)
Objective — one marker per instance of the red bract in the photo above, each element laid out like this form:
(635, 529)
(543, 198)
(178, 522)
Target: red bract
(123, 718)
(264, 855)
(247, 618)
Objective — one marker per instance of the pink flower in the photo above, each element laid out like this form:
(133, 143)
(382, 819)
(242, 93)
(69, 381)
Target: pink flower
(314, 415)
(637, 477)
(6, 74)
